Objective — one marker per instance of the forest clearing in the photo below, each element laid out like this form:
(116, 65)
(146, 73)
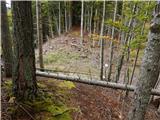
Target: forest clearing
(80, 60)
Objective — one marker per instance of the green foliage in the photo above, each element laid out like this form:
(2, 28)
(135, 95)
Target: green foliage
(138, 42)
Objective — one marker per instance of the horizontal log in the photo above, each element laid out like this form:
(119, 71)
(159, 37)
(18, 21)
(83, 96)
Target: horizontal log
(74, 78)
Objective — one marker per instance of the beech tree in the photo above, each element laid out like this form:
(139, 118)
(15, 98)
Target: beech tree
(127, 37)
(149, 71)
(82, 10)
(59, 30)
(111, 45)
(39, 33)
(24, 77)
(66, 21)
(102, 43)
(6, 41)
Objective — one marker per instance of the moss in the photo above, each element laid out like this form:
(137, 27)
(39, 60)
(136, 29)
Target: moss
(50, 103)
(66, 84)
(8, 83)
(40, 85)
(47, 105)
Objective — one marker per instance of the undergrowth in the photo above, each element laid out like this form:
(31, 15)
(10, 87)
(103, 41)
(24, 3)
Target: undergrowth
(60, 57)
(50, 104)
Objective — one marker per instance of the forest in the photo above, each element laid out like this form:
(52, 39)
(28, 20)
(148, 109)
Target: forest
(80, 60)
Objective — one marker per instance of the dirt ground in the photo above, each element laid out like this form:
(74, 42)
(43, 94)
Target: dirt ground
(92, 102)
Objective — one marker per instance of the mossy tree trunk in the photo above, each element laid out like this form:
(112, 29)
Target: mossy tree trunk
(149, 71)
(6, 41)
(24, 77)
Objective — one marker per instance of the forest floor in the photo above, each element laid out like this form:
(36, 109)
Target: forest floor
(85, 101)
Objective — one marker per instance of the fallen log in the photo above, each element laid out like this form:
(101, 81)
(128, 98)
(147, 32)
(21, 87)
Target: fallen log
(61, 76)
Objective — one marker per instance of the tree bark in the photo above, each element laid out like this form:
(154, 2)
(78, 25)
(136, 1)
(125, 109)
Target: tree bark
(90, 23)
(66, 25)
(94, 30)
(56, 21)
(70, 16)
(149, 71)
(111, 45)
(39, 33)
(24, 77)
(82, 10)
(59, 30)
(121, 56)
(6, 41)
(102, 43)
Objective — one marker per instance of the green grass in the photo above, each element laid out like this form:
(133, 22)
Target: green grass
(60, 57)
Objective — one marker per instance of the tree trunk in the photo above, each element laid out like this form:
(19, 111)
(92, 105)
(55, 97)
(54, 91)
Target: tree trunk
(6, 41)
(88, 20)
(85, 19)
(56, 22)
(70, 17)
(24, 77)
(82, 10)
(137, 54)
(85, 80)
(111, 45)
(59, 30)
(94, 30)
(90, 23)
(102, 44)
(121, 56)
(50, 27)
(149, 71)
(66, 25)
(39, 33)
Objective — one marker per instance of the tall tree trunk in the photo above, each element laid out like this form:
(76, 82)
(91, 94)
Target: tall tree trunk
(82, 10)
(56, 22)
(50, 27)
(70, 17)
(111, 45)
(102, 43)
(85, 19)
(149, 71)
(50, 19)
(88, 20)
(95, 19)
(66, 25)
(90, 23)
(94, 30)
(39, 33)
(121, 56)
(24, 77)
(59, 30)
(6, 41)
